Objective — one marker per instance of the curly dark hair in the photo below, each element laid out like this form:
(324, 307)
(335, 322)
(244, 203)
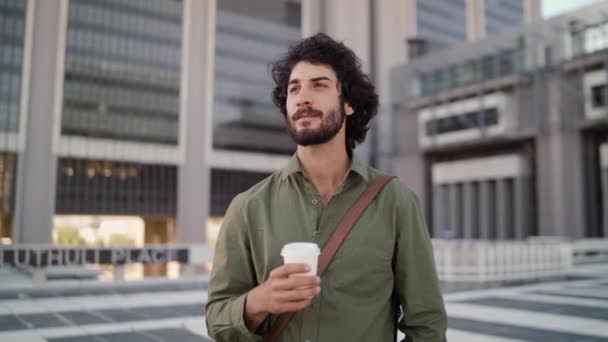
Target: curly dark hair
(356, 88)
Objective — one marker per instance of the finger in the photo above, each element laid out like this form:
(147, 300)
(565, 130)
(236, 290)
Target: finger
(291, 283)
(291, 306)
(287, 269)
(296, 295)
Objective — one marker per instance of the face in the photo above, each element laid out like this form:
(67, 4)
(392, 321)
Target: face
(315, 113)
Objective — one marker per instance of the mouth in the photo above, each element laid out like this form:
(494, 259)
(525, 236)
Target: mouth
(307, 115)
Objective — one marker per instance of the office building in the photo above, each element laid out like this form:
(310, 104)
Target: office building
(506, 138)
(160, 109)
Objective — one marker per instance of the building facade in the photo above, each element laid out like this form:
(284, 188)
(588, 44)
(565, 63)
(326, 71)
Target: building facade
(506, 138)
(161, 109)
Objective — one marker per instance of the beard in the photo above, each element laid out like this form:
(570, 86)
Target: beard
(331, 122)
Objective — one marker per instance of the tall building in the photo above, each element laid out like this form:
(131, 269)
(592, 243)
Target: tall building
(507, 137)
(444, 22)
(158, 109)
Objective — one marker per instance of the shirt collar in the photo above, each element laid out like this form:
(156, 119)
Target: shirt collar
(293, 166)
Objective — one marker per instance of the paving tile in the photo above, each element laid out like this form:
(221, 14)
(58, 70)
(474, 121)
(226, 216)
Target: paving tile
(43, 320)
(182, 335)
(83, 317)
(560, 309)
(121, 315)
(11, 322)
(565, 294)
(84, 338)
(21, 336)
(518, 332)
(127, 337)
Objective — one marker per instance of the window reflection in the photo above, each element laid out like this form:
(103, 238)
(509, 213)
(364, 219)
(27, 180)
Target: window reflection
(12, 22)
(250, 35)
(122, 70)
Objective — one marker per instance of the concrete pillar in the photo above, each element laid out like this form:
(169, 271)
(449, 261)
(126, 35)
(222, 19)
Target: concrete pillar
(390, 29)
(605, 202)
(475, 20)
(532, 11)
(196, 120)
(469, 212)
(455, 210)
(522, 203)
(560, 182)
(37, 164)
(312, 17)
(486, 203)
(502, 209)
(339, 18)
(440, 210)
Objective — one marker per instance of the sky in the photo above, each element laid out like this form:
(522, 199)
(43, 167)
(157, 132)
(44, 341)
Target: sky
(555, 7)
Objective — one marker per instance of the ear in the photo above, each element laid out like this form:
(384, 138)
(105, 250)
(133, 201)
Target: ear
(348, 109)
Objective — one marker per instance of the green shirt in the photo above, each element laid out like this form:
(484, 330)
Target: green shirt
(387, 252)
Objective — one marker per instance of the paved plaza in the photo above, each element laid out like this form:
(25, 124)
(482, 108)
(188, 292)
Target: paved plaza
(575, 309)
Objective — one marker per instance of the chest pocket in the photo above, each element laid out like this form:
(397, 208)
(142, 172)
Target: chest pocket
(364, 261)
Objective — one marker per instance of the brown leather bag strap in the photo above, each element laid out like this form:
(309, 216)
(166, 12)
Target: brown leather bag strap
(334, 243)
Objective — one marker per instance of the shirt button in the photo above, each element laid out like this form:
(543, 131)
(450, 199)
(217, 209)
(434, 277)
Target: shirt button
(314, 233)
(315, 201)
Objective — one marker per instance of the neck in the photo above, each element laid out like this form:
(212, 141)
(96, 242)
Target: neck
(325, 165)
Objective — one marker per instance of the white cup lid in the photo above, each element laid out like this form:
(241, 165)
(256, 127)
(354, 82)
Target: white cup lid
(300, 249)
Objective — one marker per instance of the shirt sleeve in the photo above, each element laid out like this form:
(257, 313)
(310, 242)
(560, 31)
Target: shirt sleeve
(424, 316)
(232, 276)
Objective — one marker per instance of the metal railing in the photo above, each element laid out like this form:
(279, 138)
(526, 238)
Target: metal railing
(479, 261)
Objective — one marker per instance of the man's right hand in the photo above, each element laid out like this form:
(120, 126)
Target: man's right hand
(281, 293)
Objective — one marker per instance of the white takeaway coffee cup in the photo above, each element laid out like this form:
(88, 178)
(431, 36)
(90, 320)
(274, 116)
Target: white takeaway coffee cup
(302, 253)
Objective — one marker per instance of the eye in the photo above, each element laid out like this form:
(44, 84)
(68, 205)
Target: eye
(320, 85)
(292, 90)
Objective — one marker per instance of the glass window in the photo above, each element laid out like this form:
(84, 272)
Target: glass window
(598, 96)
(461, 122)
(595, 38)
(503, 14)
(488, 67)
(426, 83)
(441, 20)
(507, 61)
(250, 35)
(12, 22)
(466, 73)
(122, 71)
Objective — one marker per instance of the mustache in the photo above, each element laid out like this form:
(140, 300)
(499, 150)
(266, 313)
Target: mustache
(306, 111)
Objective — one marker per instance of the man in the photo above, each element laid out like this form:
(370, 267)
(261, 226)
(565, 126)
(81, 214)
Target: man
(385, 264)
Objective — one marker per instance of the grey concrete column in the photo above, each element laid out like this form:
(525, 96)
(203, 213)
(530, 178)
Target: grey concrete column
(197, 91)
(455, 210)
(389, 26)
(37, 166)
(560, 185)
(502, 209)
(521, 208)
(486, 200)
(440, 210)
(605, 202)
(313, 17)
(339, 16)
(532, 11)
(475, 19)
(469, 211)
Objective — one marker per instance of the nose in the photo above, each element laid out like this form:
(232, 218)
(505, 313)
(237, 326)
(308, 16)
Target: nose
(303, 98)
